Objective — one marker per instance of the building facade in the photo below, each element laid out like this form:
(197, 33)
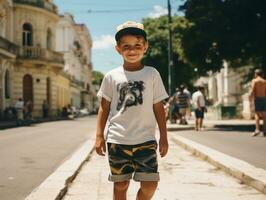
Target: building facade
(74, 41)
(227, 93)
(37, 65)
(31, 68)
(8, 53)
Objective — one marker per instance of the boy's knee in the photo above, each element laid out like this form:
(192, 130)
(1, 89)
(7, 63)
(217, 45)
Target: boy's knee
(148, 187)
(121, 186)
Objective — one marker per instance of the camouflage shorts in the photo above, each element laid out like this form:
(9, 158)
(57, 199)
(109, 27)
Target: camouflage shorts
(139, 159)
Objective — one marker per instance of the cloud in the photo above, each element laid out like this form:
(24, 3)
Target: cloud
(104, 42)
(158, 11)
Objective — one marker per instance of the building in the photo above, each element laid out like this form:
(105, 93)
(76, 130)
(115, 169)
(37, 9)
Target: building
(31, 68)
(38, 64)
(74, 41)
(8, 52)
(226, 92)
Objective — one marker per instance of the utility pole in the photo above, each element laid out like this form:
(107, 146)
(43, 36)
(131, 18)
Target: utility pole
(170, 48)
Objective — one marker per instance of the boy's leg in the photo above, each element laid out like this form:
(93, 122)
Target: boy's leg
(120, 190)
(146, 165)
(147, 189)
(119, 157)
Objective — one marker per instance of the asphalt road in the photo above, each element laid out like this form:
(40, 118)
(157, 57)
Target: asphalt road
(238, 144)
(30, 154)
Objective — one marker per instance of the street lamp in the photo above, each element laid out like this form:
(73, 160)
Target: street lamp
(170, 48)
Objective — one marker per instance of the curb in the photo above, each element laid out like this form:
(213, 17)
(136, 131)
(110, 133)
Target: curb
(55, 186)
(179, 127)
(239, 169)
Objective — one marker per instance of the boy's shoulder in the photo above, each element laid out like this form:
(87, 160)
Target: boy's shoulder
(119, 70)
(150, 68)
(114, 71)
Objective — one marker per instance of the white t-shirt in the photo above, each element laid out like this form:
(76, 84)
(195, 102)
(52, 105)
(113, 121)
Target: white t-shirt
(19, 105)
(132, 95)
(198, 96)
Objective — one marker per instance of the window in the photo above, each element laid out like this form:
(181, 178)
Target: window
(27, 35)
(49, 39)
(1, 26)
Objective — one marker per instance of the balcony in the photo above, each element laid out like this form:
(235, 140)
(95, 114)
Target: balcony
(8, 46)
(41, 54)
(40, 4)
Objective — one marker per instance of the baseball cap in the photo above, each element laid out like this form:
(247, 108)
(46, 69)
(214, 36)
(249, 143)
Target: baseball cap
(130, 28)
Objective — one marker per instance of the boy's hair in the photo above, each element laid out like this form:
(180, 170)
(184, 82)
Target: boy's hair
(130, 28)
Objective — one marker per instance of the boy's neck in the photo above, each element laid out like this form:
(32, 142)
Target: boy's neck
(133, 66)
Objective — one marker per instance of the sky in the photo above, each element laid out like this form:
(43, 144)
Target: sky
(103, 16)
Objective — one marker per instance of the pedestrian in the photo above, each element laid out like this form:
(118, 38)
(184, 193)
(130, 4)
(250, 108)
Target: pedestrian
(19, 106)
(28, 111)
(132, 97)
(183, 104)
(45, 109)
(186, 91)
(198, 101)
(175, 114)
(258, 94)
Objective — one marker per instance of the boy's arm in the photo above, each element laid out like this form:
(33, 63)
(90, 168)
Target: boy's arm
(159, 113)
(101, 122)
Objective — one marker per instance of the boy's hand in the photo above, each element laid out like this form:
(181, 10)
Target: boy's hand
(100, 146)
(163, 147)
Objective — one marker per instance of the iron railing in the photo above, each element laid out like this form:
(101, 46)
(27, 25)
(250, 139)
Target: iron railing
(37, 53)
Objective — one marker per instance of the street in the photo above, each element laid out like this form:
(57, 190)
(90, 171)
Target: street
(30, 154)
(238, 144)
(183, 177)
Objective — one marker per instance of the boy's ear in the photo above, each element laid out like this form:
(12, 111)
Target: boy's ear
(118, 49)
(146, 47)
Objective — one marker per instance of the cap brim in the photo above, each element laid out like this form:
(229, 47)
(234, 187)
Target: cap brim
(130, 31)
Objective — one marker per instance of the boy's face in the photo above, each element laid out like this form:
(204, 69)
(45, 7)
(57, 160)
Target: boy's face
(132, 48)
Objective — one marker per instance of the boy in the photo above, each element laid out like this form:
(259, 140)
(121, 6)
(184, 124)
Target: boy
(131, 96)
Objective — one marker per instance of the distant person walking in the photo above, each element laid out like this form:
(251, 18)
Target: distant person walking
(19, 106)
(198, 101)
(183, 104)
(258, 94)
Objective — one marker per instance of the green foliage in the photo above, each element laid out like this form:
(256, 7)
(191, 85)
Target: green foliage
(233, 30)
(157, 55)
(97, 77)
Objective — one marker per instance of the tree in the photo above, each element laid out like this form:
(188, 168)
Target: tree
(157, 55)
(97, 77)
(233, 30)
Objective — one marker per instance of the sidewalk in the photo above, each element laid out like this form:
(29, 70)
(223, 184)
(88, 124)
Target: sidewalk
(92, 175)
(183, 176)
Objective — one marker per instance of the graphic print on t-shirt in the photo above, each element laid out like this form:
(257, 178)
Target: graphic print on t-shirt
(130, 94)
